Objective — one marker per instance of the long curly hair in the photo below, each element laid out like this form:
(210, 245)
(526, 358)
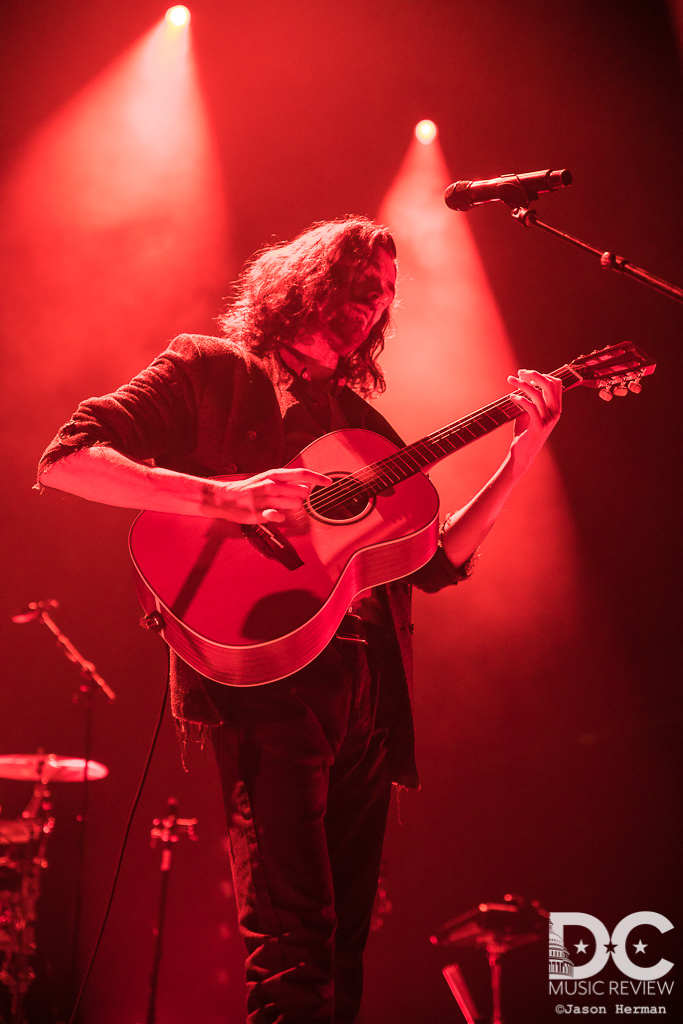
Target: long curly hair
(283, 288)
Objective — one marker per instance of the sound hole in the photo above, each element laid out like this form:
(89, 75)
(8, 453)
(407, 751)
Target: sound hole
(340, 503)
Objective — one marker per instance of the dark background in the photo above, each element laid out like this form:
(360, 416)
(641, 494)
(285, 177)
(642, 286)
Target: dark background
(560, 783)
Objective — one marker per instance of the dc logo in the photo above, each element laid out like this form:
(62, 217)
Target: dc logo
(606, 946)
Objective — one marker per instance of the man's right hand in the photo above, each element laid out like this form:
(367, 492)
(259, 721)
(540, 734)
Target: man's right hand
(105, 475)
(266, 497)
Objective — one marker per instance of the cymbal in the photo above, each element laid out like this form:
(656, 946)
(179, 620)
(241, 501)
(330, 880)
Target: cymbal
(49, 768)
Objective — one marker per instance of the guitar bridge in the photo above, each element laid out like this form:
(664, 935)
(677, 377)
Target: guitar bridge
(272, 544)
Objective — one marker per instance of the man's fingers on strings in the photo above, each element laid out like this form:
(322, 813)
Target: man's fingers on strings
(550, 387)
(525, 396)
(538, 394)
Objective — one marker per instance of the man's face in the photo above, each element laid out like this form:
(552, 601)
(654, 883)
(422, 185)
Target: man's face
(369, 292)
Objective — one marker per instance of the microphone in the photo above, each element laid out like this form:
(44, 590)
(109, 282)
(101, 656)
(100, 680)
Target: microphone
(34, 611)
(513, 189)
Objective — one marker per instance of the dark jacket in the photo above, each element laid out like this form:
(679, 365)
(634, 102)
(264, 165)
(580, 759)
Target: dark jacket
(206, 408)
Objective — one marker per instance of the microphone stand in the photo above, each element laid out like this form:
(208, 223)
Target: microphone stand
(167, 830)
(91, 679)
(609, 260)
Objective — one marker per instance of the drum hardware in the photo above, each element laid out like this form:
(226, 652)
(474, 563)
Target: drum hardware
(91, 683)
(22, 858)
(166, 830)
(23, 843)
(497, 928)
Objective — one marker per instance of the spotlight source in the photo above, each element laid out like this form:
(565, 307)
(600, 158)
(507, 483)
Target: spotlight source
(178, 16)
(425, 132)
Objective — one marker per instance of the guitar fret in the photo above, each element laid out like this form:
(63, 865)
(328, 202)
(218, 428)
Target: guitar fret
(403, 464)
(410, 460)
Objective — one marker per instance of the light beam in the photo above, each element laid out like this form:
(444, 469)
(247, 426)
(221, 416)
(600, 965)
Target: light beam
(450, 356)
(115, 222)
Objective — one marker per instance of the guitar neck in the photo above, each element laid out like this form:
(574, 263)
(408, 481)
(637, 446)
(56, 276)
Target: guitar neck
(430, 449)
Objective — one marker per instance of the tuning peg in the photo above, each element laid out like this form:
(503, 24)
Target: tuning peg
(635, 386)
(606, 393)
(620, 390)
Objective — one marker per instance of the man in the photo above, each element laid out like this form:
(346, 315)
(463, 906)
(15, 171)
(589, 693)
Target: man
(306, 762)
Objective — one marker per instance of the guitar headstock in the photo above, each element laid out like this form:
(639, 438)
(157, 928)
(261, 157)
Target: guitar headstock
(615, 370)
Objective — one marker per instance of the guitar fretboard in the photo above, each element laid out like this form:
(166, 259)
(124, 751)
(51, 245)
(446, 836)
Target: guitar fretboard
(428, 450)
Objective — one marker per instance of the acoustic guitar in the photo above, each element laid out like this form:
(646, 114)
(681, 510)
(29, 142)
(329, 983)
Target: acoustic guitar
(246, 605)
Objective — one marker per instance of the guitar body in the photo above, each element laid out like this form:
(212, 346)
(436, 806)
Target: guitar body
(249, 605)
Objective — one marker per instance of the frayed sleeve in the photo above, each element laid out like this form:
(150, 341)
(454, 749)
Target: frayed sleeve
(439, 572)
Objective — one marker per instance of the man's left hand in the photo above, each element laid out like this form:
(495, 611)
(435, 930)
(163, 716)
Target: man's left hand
(540, 396)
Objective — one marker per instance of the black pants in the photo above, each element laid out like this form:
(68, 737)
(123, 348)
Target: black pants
(306, 784)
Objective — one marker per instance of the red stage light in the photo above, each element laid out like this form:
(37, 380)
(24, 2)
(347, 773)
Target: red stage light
(178, 16)
(425, 132)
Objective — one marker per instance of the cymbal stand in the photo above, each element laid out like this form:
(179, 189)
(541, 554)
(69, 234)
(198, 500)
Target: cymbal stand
(91, 680)
(166, 830)
(494, 953)
(83, 696)
(497, 928)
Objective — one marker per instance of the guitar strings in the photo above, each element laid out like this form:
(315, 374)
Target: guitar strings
(353, 486)
(364, 482)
